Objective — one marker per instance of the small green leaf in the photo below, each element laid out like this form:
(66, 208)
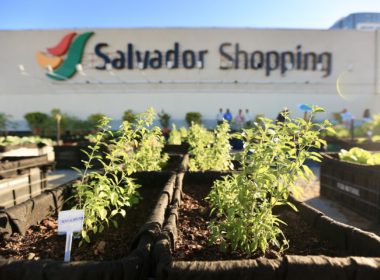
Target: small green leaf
(103, 213)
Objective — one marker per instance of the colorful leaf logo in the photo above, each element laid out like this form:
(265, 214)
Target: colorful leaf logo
(59, 68)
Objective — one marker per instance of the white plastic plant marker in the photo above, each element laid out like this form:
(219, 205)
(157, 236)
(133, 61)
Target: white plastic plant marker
(69, 222)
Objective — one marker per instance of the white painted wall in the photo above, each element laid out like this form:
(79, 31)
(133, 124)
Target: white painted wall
(203, 90)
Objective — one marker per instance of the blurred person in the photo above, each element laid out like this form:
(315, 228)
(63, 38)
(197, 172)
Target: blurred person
(239, 119)
(248, 118)
(227, 116)
(220, 117)
(367, 115)
(346, 117)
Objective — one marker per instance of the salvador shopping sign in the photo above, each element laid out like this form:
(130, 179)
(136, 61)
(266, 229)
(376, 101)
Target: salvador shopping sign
(63, 60)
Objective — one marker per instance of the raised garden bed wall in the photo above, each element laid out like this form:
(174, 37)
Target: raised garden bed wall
(13, 166)
(135, 265)
(355, 186)
(176, 149)
(357, 255)
(27, 150)
(68, 156)
(22, 178)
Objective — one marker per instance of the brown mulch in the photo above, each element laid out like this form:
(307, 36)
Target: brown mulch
(42, 241)
(193, 234)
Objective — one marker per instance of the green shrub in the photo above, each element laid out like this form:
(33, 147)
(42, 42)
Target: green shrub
(209, 150)
(339, 131)
(94, 119)
(37, 122)
(164, 119)
(5, 123)
(273, 158)
(193, 117)
(129, 116)
(175, 137)
(103, 195)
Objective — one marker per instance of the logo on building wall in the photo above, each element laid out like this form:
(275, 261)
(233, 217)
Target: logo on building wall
(62, 60)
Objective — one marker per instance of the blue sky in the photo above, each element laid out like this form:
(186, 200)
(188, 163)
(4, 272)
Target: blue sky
(43, 14)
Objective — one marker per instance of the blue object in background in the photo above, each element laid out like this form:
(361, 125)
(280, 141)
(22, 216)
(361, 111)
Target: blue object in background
(304, 107)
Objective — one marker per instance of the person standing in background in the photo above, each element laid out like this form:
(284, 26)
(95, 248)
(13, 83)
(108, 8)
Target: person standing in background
(239, 119)
(367, 116)
(346, 117)
(227, 116)
(219, 117)
(248, 118)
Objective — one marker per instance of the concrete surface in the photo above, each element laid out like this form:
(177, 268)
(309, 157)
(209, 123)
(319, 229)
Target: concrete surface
(60, 177)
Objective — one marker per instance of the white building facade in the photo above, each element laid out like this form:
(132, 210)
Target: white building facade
(109, 71)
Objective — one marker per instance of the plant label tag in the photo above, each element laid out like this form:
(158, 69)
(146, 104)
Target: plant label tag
(70, 221)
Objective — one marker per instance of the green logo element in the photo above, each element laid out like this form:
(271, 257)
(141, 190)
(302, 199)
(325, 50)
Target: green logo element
(74, 57)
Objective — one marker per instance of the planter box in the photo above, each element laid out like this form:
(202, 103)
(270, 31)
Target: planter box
(361, 250)
(22, 179)
(27, 150)
(13, 166)
(7, 148)
(176, 149)
(135, 265)
(18, 189)
(68, 156)
(355, 186)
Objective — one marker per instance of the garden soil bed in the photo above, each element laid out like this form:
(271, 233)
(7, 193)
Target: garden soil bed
(193, 235)
(42, 242)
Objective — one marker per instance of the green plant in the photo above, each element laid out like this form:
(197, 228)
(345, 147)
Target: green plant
(272, 158)
(363, 130)
(94, 119)
(70, 125)
(5, 122)
(75, 126)
(164, 119)
(209, 150)
(175, 137)
(129, 116)
(103, 195)
(143, 146)
(193, 117)
(37, 122)
(258, 117)
(184, 133)
(361, 156)
(339, 131)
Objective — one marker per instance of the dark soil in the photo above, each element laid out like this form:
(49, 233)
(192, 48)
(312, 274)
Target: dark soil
(193, 234)
(42, 241)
